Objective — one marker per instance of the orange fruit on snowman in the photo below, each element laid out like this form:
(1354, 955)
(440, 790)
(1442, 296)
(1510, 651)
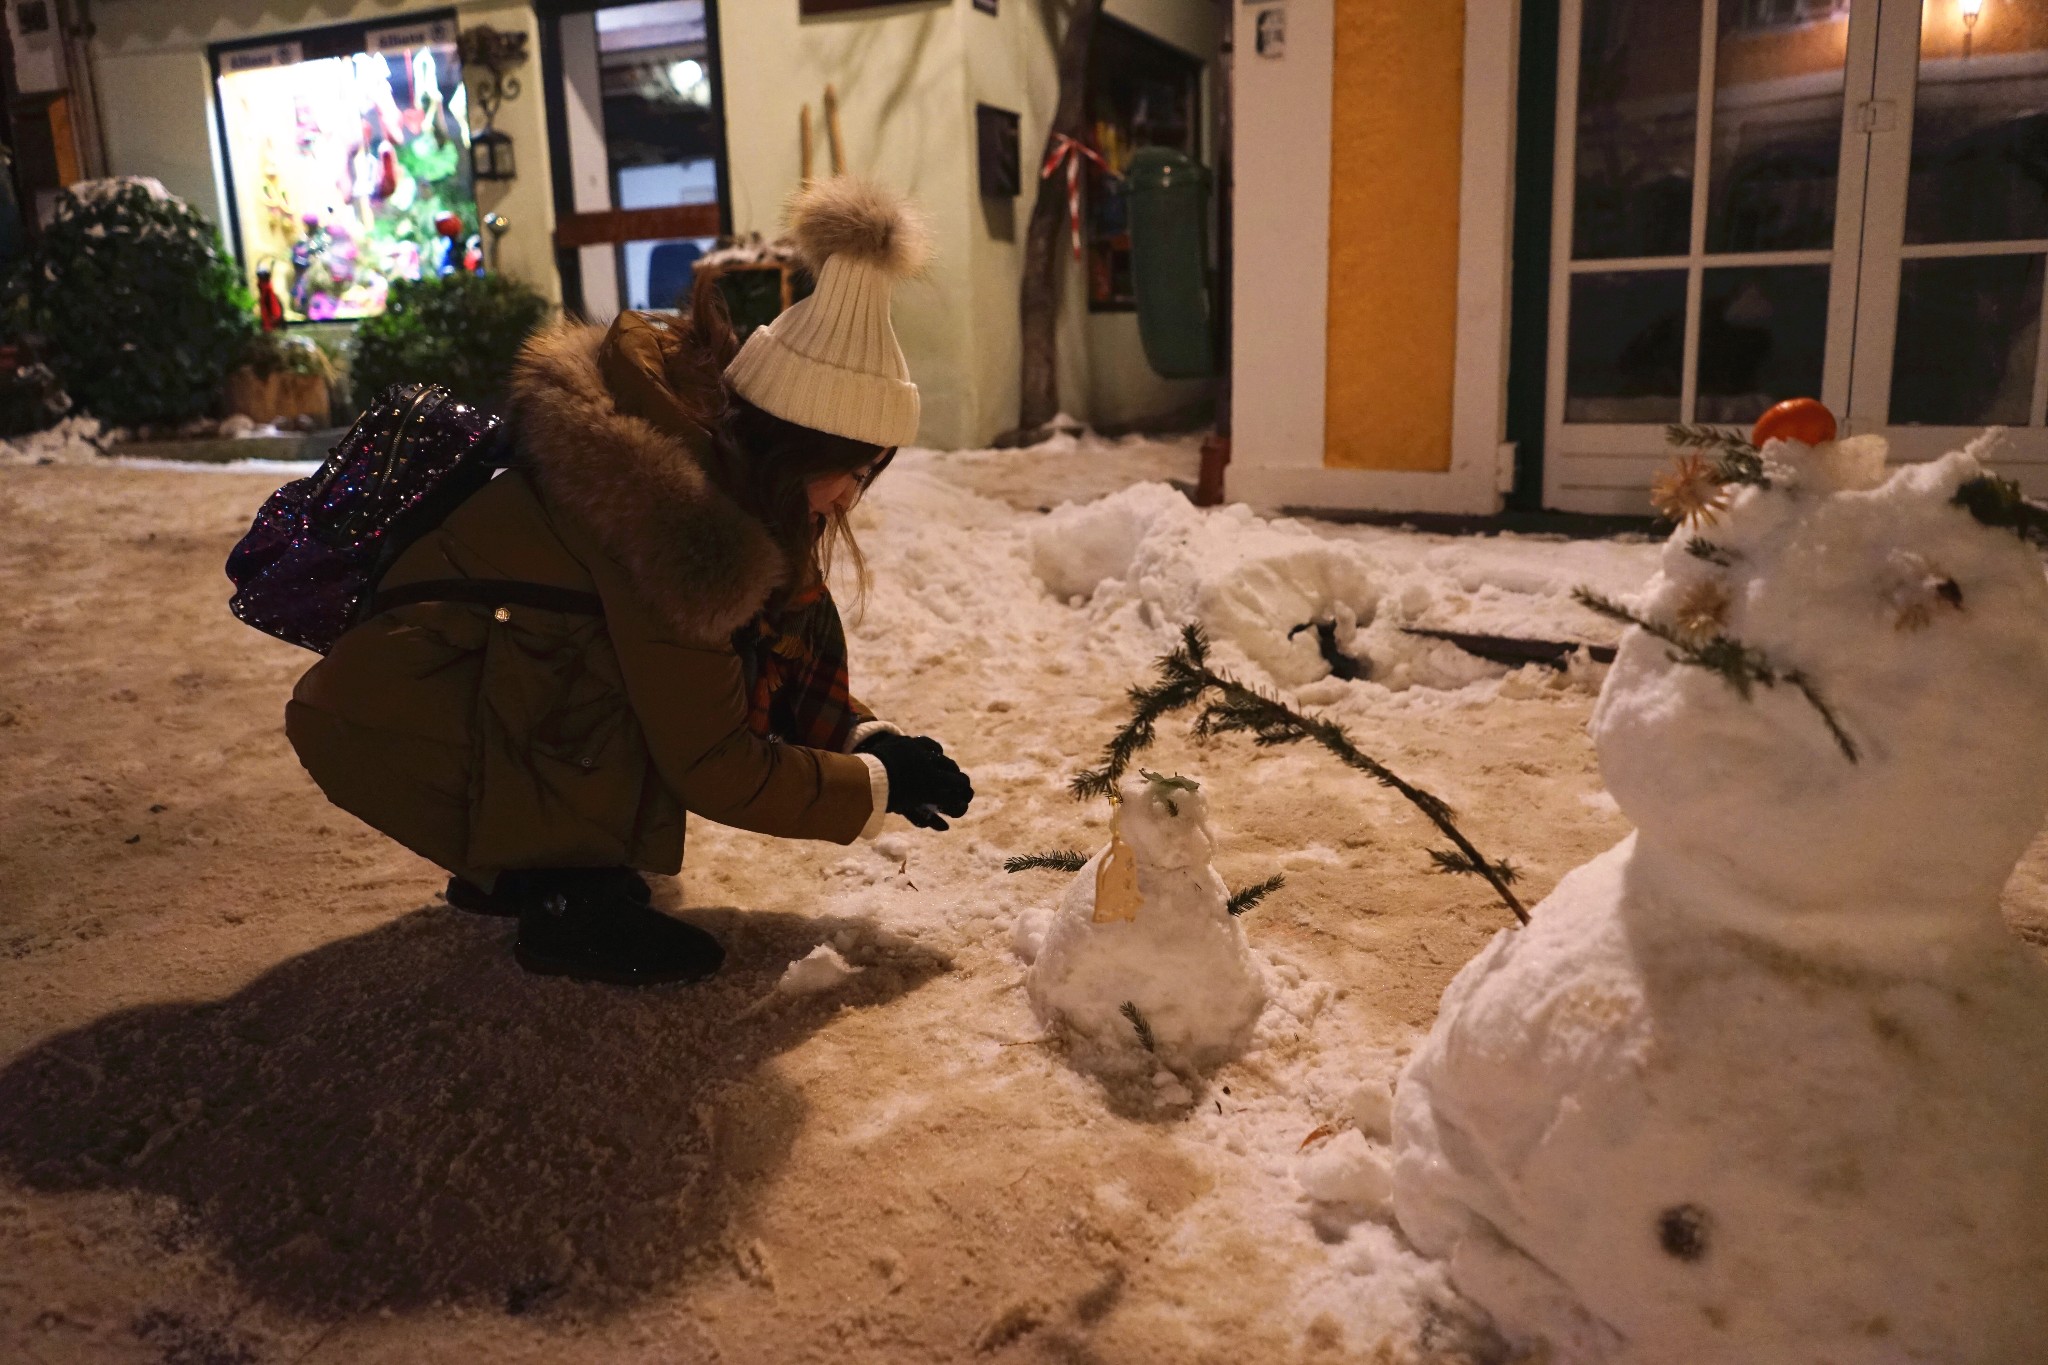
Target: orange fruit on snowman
(1805, 420)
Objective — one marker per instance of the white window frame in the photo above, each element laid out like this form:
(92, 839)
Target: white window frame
(1608, 467)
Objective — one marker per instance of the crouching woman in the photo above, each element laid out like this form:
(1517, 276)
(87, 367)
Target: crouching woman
(632, 623)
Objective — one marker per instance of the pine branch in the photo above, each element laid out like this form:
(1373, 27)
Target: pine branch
(1185, 679)
(1180, 685)
(1698, 436)
(1827, 713)
(1740, 666)
(1139, 1026)
(1736, 459)
(1249, 898)
(1450, 860)
(1700, 548)
(1999, 502)
(1059, 860)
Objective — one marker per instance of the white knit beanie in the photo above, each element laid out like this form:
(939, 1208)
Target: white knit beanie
(830, 361)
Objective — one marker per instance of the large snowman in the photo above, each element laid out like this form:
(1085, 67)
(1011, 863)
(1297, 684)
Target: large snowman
(1767, 1082)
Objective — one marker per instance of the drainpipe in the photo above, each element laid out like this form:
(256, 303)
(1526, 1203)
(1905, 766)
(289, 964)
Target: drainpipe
(1216, 449)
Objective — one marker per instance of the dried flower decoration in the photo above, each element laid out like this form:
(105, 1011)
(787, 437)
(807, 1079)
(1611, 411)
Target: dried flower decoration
(1703, 612)
(1690, 491)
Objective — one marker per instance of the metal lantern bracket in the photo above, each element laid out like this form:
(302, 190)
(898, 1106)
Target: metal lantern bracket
(492, 52)
(487, 53)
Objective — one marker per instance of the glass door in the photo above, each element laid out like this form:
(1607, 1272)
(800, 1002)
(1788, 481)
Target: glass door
(1765, 199)
(1950, 339)
(641, 190)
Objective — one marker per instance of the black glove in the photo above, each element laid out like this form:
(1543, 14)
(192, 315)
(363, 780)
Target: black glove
(923, 782)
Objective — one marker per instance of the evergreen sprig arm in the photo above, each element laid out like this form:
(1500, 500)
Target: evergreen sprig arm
(1710, 551)
(1741, 666)
(1059, 860)
(1250, 896)
(1185, 678)
(1450, 860)
(1999, 502)
(1139, 1025)
(1736, 459)
(1698, 436)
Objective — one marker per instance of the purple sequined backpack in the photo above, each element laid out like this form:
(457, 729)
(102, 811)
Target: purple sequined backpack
(307, 568)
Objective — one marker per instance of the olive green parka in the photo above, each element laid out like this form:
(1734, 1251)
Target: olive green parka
(486, 738)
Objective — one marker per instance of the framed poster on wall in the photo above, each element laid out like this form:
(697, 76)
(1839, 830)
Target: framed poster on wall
(347, 152)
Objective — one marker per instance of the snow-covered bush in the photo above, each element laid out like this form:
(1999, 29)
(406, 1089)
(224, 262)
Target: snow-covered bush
(137, 306)
(1768, 1081)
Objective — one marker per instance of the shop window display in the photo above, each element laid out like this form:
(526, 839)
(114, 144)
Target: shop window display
(348, 158)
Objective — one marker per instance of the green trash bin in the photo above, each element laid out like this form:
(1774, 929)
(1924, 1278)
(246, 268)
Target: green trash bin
(1167, 194)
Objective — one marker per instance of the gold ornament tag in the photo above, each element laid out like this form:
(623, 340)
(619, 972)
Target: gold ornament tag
(1116, 876)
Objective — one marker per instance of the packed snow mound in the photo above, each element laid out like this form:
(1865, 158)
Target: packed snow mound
(1180, 958)
(74, 440)
(1768, 1081)
(1246, 581)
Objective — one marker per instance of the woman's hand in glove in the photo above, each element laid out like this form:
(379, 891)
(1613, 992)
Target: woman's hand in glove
(923, 783)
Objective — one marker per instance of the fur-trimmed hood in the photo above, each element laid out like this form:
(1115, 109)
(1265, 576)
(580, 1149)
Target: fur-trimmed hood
(640, 490)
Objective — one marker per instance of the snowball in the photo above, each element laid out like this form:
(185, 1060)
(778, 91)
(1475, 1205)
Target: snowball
(1768, 1081)
(1348, 1174)
(820, 970)
(1182, 961)
(1371, 1107)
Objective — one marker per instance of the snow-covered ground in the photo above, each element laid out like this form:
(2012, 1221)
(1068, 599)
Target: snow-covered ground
(264, 1098)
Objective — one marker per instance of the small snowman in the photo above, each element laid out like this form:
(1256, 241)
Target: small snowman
(1768, 1081)
(1143, 966)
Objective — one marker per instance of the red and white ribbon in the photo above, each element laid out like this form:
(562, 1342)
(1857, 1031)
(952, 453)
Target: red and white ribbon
(1071, 151)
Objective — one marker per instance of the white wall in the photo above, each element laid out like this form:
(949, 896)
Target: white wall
(157, 101)
(898, 76)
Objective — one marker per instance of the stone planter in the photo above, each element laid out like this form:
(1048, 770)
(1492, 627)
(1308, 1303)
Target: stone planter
(278, 397)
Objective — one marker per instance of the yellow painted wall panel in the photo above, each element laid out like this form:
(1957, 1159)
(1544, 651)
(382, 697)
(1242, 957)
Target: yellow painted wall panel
(1396, 113)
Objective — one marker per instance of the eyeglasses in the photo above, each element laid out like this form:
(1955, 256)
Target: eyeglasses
(868, 473)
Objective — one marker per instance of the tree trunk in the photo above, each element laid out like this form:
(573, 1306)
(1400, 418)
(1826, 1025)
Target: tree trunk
(1038, 301)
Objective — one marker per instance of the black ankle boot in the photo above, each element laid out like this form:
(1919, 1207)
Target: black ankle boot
(585, 923)
(464, 894)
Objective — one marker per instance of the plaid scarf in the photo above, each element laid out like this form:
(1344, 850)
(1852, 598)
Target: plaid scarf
(794, 663)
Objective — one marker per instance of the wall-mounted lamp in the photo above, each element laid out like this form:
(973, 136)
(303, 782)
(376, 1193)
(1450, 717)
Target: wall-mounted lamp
(1971, 9)
(490, 155)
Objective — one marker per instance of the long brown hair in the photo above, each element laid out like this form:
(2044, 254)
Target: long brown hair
(764, 462)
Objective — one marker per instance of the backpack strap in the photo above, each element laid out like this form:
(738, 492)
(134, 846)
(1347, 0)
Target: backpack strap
(488, 592)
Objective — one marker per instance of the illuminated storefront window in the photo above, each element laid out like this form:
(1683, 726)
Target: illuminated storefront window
(348, 162)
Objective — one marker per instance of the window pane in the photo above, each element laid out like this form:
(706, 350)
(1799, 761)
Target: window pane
(1980, 124)
(658, 274)
(1777, 129)
(1763, 336)
(1626, 346)
(1968, 332)
(1639, 72)
(661, 141)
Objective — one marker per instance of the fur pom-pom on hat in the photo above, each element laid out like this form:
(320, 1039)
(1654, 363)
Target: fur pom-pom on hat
(830, 361)
(861, 221)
